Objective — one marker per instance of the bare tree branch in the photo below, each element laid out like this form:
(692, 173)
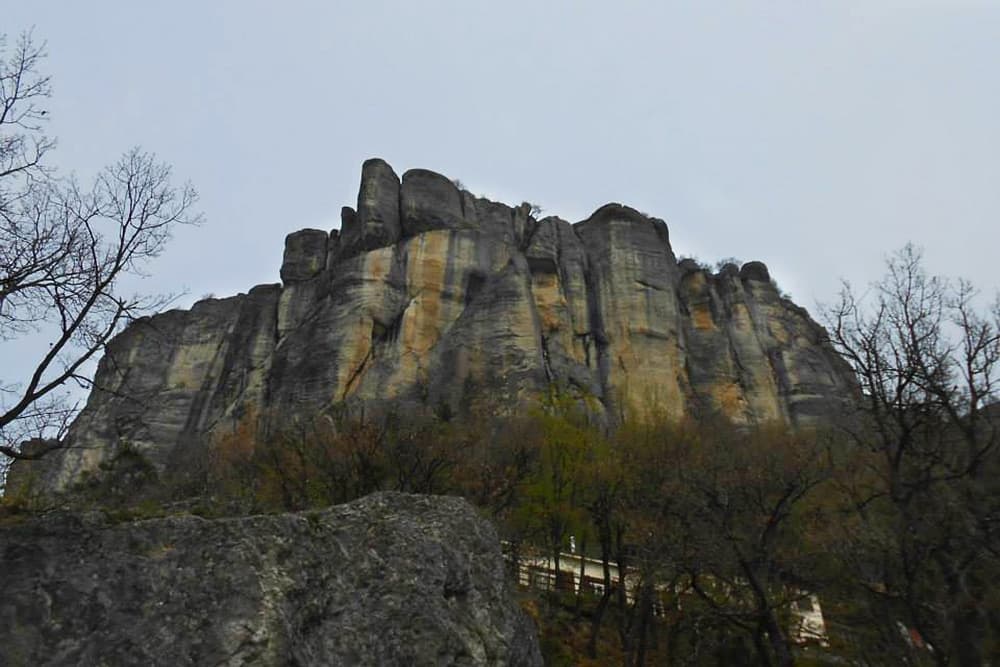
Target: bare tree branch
(64, 249)
(927, 361)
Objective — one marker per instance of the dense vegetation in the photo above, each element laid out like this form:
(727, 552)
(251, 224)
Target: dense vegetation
(723, 529)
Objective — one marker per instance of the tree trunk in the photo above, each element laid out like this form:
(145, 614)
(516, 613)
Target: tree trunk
(595, 624)
(604, 536)
(761, 646)
(556, 534)
(622, 597)
(776, 637)
(967, 625)
(583, 573)
(644, 615)
(768, 622)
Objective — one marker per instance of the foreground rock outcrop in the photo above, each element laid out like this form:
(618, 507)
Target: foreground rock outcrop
(430, 298)
(390, 579)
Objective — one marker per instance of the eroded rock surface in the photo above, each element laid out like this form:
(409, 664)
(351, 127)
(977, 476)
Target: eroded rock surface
(391, 579)
(433, 299)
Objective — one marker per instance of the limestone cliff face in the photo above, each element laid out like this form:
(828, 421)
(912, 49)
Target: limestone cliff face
(390, 579)
(431, 298)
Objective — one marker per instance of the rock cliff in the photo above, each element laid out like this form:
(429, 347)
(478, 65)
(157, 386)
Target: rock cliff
(390, 579)
(430, 298)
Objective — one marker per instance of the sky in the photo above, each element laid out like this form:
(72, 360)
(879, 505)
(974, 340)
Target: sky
(815, 136)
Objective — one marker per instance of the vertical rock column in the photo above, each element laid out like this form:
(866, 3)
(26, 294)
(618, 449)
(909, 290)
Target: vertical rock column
(376, 223)
(632, 286)
(303, 265)
(559, 267)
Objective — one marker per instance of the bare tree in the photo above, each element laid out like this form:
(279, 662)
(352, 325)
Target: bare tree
(924, 480)
(64, 251)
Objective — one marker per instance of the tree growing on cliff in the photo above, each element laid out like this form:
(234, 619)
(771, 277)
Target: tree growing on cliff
(65, 249)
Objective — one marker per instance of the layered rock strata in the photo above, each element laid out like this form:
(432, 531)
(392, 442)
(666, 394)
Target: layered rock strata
(431, 298)
(390, 579)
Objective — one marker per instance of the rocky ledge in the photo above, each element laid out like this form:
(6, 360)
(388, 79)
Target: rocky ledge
(390, 579)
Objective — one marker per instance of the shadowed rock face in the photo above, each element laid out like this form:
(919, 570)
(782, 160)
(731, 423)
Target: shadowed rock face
(390, 579)
(432, 298)
(376, 223)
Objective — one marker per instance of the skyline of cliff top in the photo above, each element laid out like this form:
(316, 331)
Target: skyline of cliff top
(817, 139)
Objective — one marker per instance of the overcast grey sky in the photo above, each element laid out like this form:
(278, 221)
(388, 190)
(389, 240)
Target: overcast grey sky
(815, 136)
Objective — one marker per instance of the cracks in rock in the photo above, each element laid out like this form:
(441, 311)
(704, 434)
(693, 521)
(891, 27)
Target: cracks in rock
(527, 232)
(596, 329)
(586, 339)
(358, 372)
(740, 372)
(383, 334)
(650, 285)
(275, 318)
(546, 361)
(320, 298)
